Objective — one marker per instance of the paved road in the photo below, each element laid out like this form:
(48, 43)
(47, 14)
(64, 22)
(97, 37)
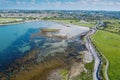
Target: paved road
(97, 58)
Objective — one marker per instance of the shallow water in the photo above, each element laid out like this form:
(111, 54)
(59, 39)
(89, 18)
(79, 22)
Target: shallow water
(15, 40)
(9, 33)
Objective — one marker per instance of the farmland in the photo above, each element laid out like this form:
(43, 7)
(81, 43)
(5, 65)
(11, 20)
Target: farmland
(109, 45)
(112, 25)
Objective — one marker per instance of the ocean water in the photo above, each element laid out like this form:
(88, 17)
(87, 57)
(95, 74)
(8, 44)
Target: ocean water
(15, 40)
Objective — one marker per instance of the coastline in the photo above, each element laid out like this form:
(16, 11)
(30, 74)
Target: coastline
(19, 22)
(10, 24)
(52, 66)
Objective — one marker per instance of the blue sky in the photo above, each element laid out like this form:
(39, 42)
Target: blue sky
(112, 5)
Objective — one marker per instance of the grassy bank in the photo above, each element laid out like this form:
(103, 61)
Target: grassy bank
(88, 75)
(10, 20)
(109, 45)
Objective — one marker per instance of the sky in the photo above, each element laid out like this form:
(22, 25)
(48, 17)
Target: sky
(109, 5)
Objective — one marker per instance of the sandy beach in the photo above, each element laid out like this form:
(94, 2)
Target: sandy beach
(70, 30)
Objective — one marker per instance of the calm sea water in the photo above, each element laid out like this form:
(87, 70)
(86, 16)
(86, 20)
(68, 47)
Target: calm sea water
(15, 40)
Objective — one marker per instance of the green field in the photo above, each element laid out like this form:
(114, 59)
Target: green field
(76, 22)
(109, 45)
(112, 25)
(10, 20)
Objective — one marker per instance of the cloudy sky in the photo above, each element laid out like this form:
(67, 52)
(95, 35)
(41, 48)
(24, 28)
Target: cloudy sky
(112, 5)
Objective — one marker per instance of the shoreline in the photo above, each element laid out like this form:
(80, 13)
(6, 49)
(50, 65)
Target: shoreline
(66, 24)
(10, 24)
(61, 23)
(71, 32)
(19, 22)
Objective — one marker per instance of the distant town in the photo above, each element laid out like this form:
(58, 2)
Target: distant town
(72, 14)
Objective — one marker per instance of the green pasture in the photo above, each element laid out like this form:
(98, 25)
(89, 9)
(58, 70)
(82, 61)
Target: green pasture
(109, 45)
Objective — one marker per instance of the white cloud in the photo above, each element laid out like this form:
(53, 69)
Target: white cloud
(57, 4)
(83, 4)
(33, 2)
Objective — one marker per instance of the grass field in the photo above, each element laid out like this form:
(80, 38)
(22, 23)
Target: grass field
(112, 25)
(109, 45)
(9, 20)
(76, 22)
